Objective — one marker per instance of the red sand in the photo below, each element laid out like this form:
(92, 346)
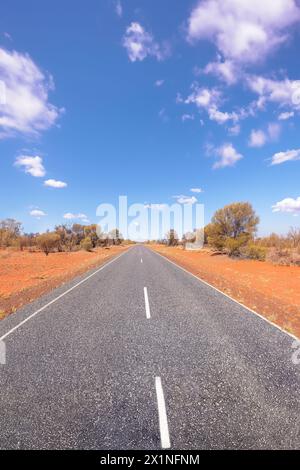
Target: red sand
(24, 276)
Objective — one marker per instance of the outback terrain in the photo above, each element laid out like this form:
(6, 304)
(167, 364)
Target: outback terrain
(24, 275)
(273, 291)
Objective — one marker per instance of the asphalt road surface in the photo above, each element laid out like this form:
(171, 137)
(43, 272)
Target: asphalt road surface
(142, 355)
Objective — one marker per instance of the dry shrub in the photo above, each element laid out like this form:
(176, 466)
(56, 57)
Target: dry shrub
(283, 257)
(233, 246)
(86, 244)
(48, 242)
(253, 251)
(296, 257)
(282, 250)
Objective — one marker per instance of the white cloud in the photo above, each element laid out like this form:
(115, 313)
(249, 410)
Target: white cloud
(274, 130)
(234, 130)
(221, 117)
(118, 8)
(283, 92)
(163, 115)
(159, 83)
(140, 44)
(26, 109)
(55, 183)
(257, 138)
(286, 115)
(204, 97)
(243, 30)
(187, 117)
(70, 215)
(282, 157)
(37, 213)
(289, 205)
(224, 70)
(196, 190)
(228, 156)
(182, 199)
(210, 99)
(31, 165)
(80, 216)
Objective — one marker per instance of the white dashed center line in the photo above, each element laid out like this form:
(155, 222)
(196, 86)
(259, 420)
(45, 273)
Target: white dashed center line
(141, 260)
(162, 414)
(147, 303)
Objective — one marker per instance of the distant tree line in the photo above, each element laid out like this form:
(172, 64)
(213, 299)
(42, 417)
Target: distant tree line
(63, 238)
(232, 230)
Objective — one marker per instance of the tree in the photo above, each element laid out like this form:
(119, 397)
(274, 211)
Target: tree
(12, 226)
(237, 222)
(24, 242)
(294, 236)
(91, 232)
(78, 230)
(48, 241)
(61, 231)
(236, 219)
(10, 230)
(115, 236)
(172, 238)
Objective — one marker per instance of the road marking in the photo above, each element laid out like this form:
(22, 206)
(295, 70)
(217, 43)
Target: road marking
(162, 414)
(228, 296)
(141, 260)
(147, 303)
(59, 297)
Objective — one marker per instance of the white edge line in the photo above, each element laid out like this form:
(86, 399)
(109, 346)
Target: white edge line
(228, 296)
(148, 316)
(162, 415)
(59, 297)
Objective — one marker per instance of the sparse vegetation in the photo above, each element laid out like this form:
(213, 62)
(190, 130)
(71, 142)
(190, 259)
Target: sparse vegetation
(86, 244)
(253, 251)
(47, 242)
(172, 238)
(63, 238)
(282, 250)
(232, 231)
(25, 275)
(10, 231)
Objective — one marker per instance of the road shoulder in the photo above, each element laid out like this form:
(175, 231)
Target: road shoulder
(246, 283)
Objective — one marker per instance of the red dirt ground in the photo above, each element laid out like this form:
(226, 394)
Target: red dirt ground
(25, 276)
(273, 291)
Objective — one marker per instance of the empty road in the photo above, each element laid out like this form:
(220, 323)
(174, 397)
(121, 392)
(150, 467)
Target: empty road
(142, 355)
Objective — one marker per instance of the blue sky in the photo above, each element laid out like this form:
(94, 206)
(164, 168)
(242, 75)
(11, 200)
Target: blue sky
(150, 100)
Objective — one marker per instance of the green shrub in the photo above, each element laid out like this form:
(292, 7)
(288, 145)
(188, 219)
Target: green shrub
(233, 245)
(214, 237)
(86, 244)
(253, 251)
